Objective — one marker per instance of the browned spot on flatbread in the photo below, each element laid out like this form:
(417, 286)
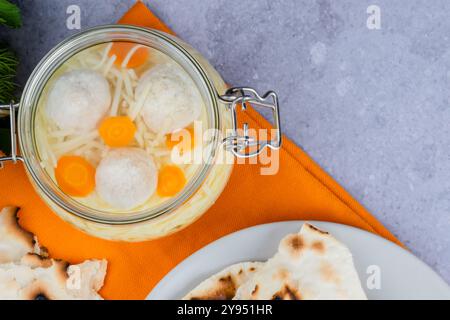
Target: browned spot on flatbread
(252, 269)
(43, 252)
(316, 229)
(281, 274)
(318, 246)
(294, 244)
(287, 293)
(255, 290)
(13, 226)
(225, 290)
(34, 260)
(62, 267)
(327, 273)
(38, 291)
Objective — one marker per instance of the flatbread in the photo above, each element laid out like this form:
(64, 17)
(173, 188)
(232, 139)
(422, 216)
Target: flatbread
(223, 285)
(26, 272)
(308, 265)
(40, 278)
(15, 242)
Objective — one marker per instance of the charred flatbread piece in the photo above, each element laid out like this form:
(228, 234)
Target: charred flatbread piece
(223, 285)
(15, 242)
(308, 265)
(26, 272)
(35, 277)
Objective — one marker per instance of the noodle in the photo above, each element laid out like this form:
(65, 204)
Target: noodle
(129, 55)
(117, 94)
(109, 65)
(104, 57)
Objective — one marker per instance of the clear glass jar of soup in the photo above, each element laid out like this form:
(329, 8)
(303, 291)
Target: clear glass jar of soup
(119, 60)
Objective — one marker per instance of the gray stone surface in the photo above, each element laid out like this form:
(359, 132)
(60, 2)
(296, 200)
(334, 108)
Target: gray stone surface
(371, 106)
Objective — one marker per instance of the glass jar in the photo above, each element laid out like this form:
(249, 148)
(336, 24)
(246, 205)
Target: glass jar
(208, 182)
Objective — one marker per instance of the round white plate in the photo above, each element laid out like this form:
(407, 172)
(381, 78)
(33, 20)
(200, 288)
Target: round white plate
(401, 274)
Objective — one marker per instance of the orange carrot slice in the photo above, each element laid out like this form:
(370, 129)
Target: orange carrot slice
(171, 180)
(177, 139)
(121, 50)
(75, 176)
(117, 131)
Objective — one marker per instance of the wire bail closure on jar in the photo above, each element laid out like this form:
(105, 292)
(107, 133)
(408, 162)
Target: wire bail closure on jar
(238, 144)
(11, 108)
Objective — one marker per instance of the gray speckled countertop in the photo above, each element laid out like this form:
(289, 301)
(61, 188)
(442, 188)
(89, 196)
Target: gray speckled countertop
(370, 106)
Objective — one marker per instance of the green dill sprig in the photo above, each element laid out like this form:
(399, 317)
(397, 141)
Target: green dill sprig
(10, 14)
(8, 66)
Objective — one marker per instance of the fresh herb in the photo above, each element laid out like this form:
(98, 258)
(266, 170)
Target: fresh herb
(10, 14)
(8, 66)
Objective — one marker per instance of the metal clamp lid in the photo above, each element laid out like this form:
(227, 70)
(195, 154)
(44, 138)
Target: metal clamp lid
(237, 143)
(11, 108)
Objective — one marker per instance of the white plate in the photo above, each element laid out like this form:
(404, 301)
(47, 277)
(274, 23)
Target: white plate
(403, 276)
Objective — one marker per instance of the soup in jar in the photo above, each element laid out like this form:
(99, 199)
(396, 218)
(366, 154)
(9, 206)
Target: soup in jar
(109, 121)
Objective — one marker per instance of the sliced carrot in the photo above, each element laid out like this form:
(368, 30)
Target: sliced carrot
(117, 131)
(121, 50)
(171, 180)
(75, 176)
(177, 139)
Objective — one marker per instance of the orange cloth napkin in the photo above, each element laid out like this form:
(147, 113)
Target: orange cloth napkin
(300, 191)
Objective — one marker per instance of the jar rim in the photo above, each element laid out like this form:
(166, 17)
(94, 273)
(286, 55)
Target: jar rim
(170, 45)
